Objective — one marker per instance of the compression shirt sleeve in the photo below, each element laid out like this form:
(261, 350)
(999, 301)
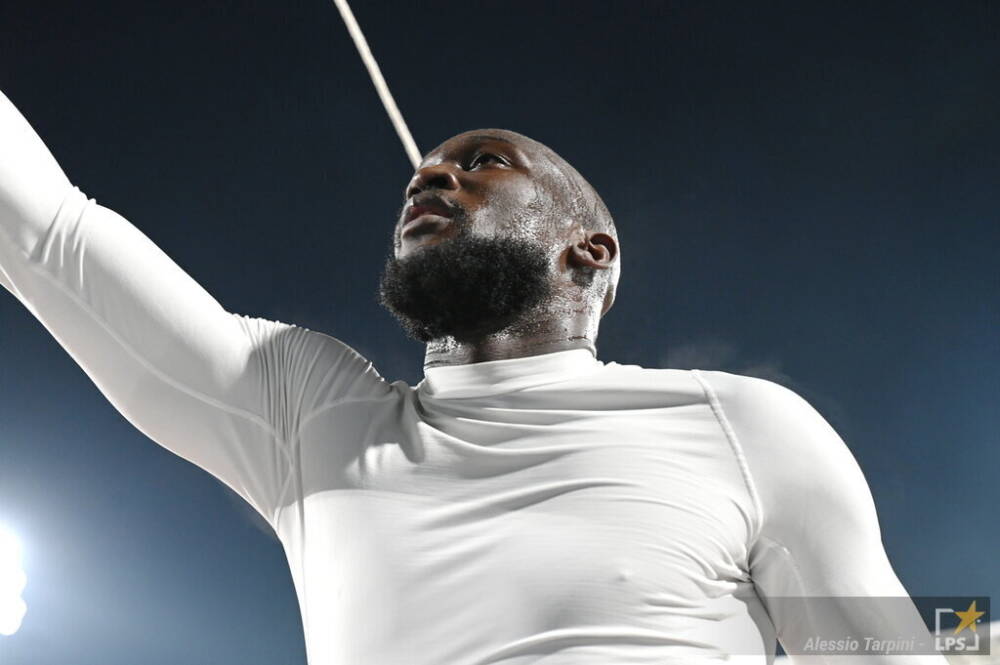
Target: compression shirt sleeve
(222, 390)
(817, 536)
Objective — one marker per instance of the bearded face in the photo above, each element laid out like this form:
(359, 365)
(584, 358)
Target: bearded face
(466, 287)
(483, 237)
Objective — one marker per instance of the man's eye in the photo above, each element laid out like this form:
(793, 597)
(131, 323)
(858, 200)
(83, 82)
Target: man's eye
(485, 158)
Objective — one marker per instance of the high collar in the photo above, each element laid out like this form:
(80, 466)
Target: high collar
(500, 376)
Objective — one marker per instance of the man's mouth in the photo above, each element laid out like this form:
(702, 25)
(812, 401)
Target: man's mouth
(424, 224)
(425, 214)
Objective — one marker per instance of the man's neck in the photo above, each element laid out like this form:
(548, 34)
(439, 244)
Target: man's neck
(532, 339)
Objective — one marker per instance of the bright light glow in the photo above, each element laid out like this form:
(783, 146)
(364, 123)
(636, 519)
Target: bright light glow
(12, 581)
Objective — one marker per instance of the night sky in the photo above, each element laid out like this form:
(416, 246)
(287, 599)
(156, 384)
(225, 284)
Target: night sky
(807, 192)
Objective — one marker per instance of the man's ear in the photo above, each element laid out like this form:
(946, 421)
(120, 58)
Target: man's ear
(595, 250)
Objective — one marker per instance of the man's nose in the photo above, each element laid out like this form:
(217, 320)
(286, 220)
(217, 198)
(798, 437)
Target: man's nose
(438, 176)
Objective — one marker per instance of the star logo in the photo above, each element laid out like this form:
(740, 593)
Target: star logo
(968, 618)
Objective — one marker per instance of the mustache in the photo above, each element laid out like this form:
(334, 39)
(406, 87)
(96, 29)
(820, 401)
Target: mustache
(459, 213)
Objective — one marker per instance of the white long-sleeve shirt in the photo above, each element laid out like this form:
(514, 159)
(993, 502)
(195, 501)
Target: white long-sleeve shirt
(550, 509)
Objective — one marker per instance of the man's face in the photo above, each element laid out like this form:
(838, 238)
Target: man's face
(475, 242)
(487, 183)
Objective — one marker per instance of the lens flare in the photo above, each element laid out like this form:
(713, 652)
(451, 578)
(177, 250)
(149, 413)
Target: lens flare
(12, 581)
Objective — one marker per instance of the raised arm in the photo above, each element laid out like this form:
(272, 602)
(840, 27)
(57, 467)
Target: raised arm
(222, 390)
(817, 538)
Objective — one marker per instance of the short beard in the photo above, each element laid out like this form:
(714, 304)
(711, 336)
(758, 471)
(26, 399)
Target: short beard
(466, 287)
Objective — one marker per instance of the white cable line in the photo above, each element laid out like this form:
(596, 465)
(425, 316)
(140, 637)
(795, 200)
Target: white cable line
(380, 86)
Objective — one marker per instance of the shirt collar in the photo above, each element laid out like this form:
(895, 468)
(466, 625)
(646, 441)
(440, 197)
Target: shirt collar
(500, 376)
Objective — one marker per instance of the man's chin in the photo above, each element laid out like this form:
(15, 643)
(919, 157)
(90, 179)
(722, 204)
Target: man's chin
(467, 289)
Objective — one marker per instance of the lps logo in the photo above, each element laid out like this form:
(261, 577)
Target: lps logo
(948, 640)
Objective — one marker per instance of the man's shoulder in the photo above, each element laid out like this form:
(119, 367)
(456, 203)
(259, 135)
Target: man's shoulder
(770, 420)
(785, 441)
(748, 395)
(309, 366)
(678, 385)
(725, 390)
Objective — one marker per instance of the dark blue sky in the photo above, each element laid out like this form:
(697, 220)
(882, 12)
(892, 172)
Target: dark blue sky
(808, 192)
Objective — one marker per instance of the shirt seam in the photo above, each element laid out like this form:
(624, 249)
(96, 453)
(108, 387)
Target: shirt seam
(319, 410)
(278, 507)
(737, 449)
(786, 553)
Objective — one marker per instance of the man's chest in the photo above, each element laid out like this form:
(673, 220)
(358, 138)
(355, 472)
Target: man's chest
(567, 517)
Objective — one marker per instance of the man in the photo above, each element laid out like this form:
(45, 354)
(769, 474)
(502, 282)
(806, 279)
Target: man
(525, 502)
